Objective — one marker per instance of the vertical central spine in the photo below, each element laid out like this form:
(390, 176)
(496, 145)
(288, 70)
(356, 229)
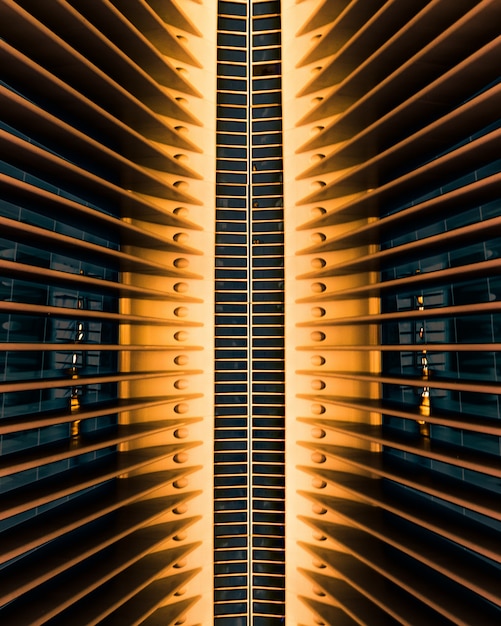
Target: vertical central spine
(249, 319)
(232, 494)
(250, 617)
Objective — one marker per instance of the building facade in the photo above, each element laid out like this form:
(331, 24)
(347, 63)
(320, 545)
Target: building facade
(249, 312)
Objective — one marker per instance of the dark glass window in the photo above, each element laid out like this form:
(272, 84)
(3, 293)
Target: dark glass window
(267, 125)
(265, 8)
(231, 112)
(230, 54)
(268, 39)
(226, 177)
(227, 69)
(235, 41)
(231, 84)
(232, 98)
(231, 126)
(232, 24)
(267, 69)
(266, 98)
(232, 8)
(266, 54)
(266, 23)
(235, 153)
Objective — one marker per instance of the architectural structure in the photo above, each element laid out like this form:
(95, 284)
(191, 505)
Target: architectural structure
(250, 312)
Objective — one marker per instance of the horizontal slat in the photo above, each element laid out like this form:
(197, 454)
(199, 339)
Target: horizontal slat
(88, 314)
(477, 192)
(131, 40)
(326, 12)
(80, 249)
(77, 180)
(462, 122)
(463, 420)
(92, 347)
(433, 382)
(149, 604)
(439, 73)
(135, 88)
(408, 347)
(488, 464)
(437, 485)
(123, 433)
(369, 599)
(434, 313)
(351, 26)
(73, 281)
(85, 508)
(79, 148)
(450, 560)
(169, 614)
(328, 613)
(479, 232)
(400, 30)
(156, 30)
(54, 383)
(171, 14)
(107, 128)
(27, 573)
(419, 180)
(372, 572)
(416, 282)
(117, 577)
(87, 411)
(57, 207)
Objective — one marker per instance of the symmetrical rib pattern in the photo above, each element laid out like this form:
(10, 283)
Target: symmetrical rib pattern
(170, 172)
(399, 336)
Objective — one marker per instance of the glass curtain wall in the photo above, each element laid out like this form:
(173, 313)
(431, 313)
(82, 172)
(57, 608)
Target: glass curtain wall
(52, 323)
(443, 342)
(249, 323)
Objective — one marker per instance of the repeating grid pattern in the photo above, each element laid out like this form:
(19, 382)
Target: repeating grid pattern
(394, 417)
(87, 218)
(405, 455)
(249, 405)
